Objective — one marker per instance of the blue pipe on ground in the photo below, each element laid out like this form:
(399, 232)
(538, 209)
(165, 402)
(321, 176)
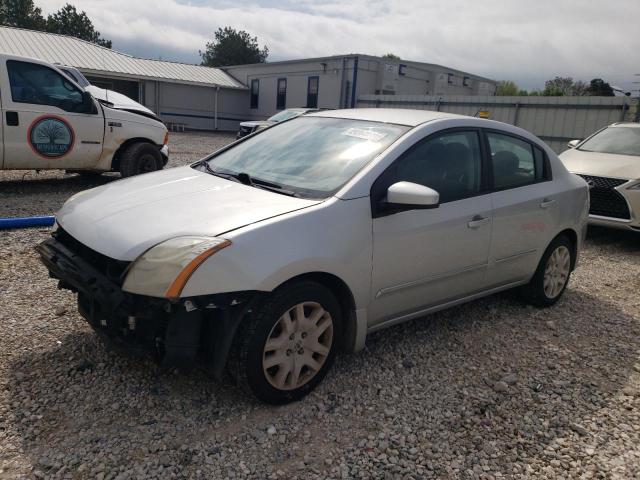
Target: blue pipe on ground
(26, 222)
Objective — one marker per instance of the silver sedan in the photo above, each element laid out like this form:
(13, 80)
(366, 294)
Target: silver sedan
(271, 254)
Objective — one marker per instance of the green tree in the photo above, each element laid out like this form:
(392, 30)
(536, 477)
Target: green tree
(233, 47)
(22, 14)
(600, 88)
(558, 87)
(67, 21)
(391, 56)
(507, 88)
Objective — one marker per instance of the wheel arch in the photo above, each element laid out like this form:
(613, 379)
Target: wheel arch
(345, 298)
(572, 235)
(115, 161)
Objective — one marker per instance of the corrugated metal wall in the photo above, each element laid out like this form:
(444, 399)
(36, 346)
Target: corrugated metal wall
(556, 120)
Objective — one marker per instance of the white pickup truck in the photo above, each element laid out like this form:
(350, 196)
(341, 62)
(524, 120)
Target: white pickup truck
(50, 122)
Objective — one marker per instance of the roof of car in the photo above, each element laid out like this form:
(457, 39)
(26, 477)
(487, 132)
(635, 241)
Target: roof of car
(398, 116)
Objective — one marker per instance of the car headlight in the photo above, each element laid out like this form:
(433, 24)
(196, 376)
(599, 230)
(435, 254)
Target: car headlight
(163, 270)
(635, 186)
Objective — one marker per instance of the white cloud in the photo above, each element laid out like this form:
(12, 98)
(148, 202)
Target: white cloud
(517, 39)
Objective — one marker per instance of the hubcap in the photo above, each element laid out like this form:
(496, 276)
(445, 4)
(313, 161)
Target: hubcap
(297, 346)
(556, 271)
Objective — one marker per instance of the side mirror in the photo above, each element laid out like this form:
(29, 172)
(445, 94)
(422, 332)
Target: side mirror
(409, 196)
(87, 103)
(573, 143)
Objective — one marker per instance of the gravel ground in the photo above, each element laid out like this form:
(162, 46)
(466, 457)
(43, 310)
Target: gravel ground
(491, 389)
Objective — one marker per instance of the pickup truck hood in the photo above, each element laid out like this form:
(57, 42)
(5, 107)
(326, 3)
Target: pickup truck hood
(601, 164)
(124, 218)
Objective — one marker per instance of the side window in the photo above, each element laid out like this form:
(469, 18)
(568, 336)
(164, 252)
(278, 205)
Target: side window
(515, 162)
(255, 91)
(40, 85)
(449, 163)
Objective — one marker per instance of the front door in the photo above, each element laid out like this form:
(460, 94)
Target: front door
(423, 258)
(42, 125)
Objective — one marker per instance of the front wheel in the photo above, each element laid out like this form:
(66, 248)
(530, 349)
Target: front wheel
(140, 158)
(552, 275)
(288, 344)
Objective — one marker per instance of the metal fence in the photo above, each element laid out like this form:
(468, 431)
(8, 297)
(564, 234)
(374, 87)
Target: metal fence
(556, 120)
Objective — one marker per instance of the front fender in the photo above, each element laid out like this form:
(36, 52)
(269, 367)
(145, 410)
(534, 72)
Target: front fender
(332, 237)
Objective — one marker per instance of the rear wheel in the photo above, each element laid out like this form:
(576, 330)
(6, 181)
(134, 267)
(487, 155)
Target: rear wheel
(288, 344)
(140, 158)
(552, 275)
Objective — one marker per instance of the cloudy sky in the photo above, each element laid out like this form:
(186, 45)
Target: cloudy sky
(522, 40)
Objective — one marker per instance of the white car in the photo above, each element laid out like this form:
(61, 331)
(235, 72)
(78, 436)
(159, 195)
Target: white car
(283, 247)
(609, 160)
(247, 128)
(112, 98)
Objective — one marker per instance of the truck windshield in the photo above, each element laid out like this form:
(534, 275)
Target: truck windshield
(620, 140)
(310, 156)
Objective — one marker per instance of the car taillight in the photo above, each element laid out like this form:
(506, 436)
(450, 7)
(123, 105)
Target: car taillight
(166, 138)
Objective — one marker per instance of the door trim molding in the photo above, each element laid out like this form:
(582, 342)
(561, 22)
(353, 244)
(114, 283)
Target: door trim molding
(515, 256)
(432, 278)
(443, 306)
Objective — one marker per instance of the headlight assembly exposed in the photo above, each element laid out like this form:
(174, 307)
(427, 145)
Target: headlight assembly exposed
(164, 270)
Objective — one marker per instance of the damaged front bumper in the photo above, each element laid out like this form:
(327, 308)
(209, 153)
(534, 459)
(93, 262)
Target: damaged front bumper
(176, 333)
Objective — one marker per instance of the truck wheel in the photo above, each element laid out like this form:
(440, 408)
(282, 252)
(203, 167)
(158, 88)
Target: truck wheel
(287, 344)
(140, 158)
(552, 275)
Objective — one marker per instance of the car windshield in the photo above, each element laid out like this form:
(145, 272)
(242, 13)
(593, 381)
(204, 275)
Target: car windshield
(619, 140)
(309, 156)
(285, 115)
(76, 76)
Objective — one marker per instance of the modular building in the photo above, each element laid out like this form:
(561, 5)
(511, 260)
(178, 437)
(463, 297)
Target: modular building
(204, 98)
(337, 81)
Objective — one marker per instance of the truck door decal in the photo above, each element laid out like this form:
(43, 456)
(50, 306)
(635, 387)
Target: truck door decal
(50, 136)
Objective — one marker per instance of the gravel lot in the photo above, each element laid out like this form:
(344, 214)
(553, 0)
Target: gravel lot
(491, 389)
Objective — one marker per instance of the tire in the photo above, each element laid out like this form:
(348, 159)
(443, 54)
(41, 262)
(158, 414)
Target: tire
(257, 367)
(140, 158)
(541, 294)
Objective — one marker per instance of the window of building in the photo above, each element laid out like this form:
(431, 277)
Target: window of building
(255, 91)
(466, 81)
(281, 100)
(514, 161)
(312, 92)
(450, 78)
(401, 69)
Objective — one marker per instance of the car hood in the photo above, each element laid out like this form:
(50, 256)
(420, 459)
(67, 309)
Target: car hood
(117, 100)
(124, 218)
(601, 164)
(257, 123)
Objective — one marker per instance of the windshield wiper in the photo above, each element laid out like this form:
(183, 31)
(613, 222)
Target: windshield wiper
(263, 184)
(212, 171)
(247, 179)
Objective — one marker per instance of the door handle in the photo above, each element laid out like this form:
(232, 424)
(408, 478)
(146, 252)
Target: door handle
(546, 203)
(477, 221)
(12, 119)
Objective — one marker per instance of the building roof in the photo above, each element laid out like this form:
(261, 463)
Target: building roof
(94, 59)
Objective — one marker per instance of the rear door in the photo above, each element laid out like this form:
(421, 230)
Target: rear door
(524, 206)
(43, 124)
